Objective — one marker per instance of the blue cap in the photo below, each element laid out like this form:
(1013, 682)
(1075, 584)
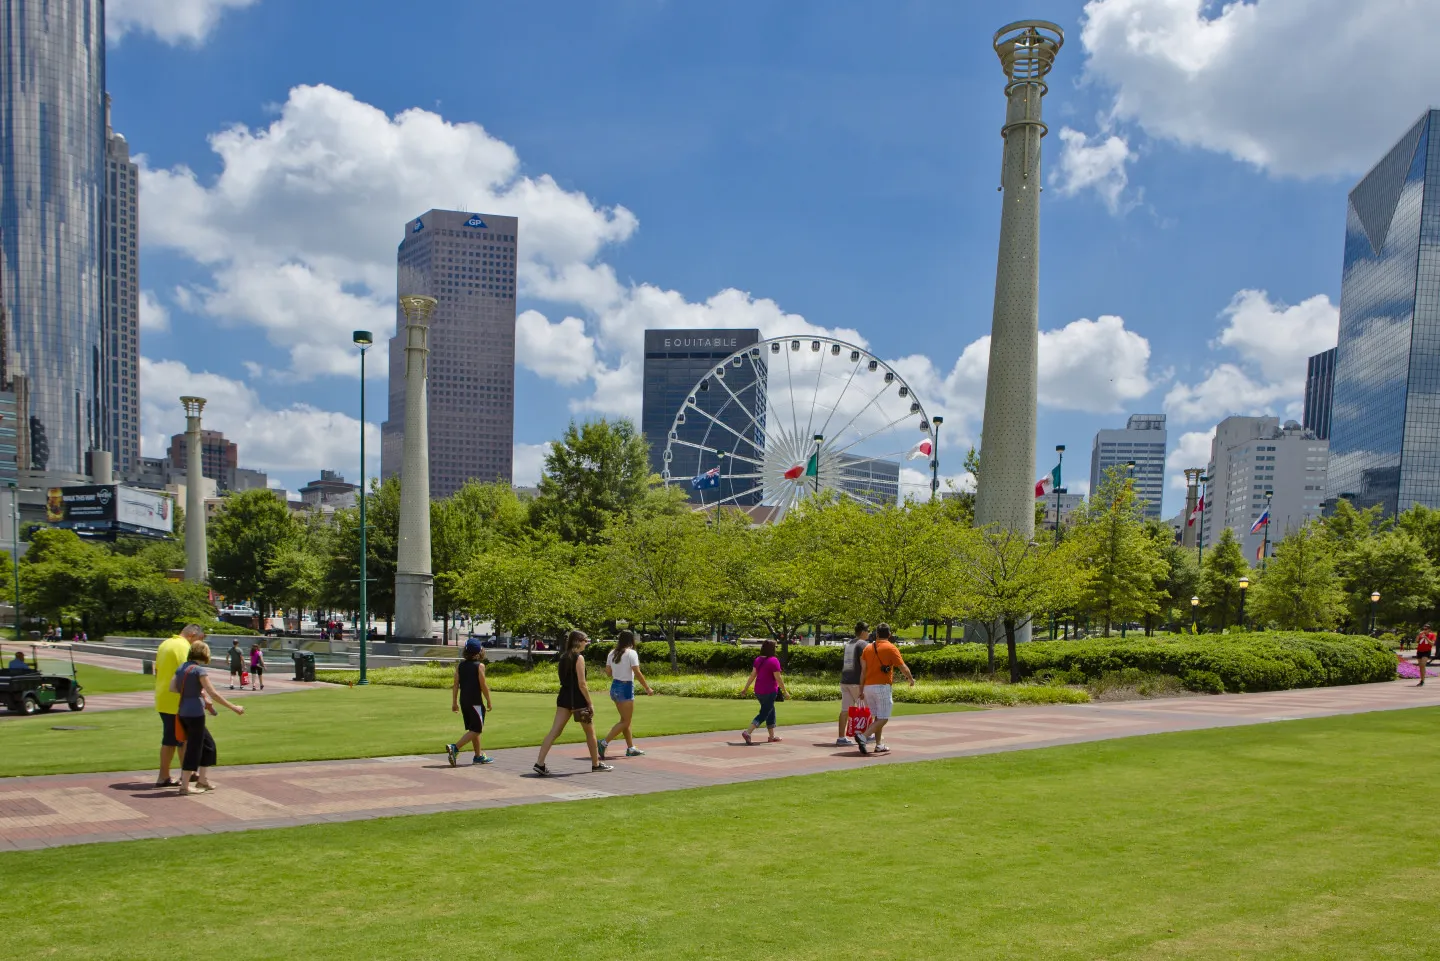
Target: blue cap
(472, 646)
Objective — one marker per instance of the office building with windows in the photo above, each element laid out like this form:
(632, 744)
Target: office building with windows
(1319, 392)
(675, 362)
(1385, 416)
(1251, 456)
(52, 246)
(219, 457)
(466, 262)
(1142, 441)
(122, 300)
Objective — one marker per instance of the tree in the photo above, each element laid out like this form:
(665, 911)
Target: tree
(1300, 590)
(768, 575)
(1123, 565)
(1179, 581)
(885, 564)
(250, 530)
(597, 471)
(466, 523)
(1395, 564)
(528, 587)
(1220, 577)
(655, 568)
(341, 587)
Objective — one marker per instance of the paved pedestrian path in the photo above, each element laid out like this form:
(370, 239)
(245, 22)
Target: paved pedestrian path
(38, 812)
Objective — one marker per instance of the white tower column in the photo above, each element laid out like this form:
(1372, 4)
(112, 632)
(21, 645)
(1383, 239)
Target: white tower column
(414, 580)
(197, 557)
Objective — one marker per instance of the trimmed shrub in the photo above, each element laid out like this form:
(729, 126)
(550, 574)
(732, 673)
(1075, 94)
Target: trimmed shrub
(1203, 682)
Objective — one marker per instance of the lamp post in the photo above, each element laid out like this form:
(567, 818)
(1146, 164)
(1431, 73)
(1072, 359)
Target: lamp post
(935, 457)
(1194, 614)
(15, 550)
(1265, 542)
(819, 439)
(363, 340)
(1374, 603)
(1200, 534)
(1244, 586)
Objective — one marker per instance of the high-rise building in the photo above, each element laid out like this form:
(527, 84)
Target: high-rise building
(1142, 441)
(122, 300)
(219, 457)
(466, 262)
(675, 361)
(52, 246)
(1385, 417)
(1250, 456)
(331, 490)
(1319, 391)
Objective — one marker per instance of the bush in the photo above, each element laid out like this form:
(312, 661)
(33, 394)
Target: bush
(1203, 682)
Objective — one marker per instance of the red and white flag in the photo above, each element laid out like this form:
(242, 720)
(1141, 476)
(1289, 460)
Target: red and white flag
(1199, 509)
(922, 449)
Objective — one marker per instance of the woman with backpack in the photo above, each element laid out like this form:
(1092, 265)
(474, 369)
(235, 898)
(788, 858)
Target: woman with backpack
(573, 702)
(623, 666)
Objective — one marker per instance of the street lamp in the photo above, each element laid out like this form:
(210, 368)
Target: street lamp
(1374, 603)
(1060, 454)
(363, 340)
(935, 458)
(819, 439)
(1244, 586)
(1265, 544)
(1194, 613)
(15, 550)
(1200, 534)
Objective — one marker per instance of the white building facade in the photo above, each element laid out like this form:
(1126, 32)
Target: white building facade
(1251, 456)
(1142, 441)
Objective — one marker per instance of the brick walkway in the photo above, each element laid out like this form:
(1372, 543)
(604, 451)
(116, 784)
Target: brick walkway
(38, 812)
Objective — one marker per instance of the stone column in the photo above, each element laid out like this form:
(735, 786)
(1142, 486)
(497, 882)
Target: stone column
(1005, 495)
(1190, 532)
(414, 581)
(197, 559)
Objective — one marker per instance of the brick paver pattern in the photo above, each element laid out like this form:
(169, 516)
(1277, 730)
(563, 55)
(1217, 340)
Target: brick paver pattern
(37, 812)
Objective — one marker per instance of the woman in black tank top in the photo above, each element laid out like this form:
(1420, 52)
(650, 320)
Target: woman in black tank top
(573, 701)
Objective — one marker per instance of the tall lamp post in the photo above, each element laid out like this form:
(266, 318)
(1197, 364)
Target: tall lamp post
(1374, 603)
(1244, 588)
(1060, 464)
(935, 458)
(1265, 543)
(363, 340)
(819, 440)
(1200, 534)
(1194, 614)
(15, 550)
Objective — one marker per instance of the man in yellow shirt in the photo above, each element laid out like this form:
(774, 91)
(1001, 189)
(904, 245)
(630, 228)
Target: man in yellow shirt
(168, 657)
(878, 663)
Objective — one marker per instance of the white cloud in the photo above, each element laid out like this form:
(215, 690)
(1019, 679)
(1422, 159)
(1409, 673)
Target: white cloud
(1272, 341)
(1295, 87)
(528, 463)
(298, 438)
(173, 21)
(1192, 450)
(561, 352)
(1097, 165)
(154, 315)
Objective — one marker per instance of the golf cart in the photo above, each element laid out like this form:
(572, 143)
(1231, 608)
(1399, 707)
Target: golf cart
(29, 691)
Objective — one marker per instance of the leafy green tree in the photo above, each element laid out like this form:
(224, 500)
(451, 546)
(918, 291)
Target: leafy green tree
(656, 568)
(1179, 581)
(1346, 526)
(1124, 567)
(1300, 590)
(1224, 565)
(886, 564)
(768, 576)
(597, 471)
(341, 586)
(250, 530)
(1395, 564)
(530, 587)
(466, 523)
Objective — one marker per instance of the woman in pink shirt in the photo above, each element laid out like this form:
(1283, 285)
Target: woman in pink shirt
(769, 683)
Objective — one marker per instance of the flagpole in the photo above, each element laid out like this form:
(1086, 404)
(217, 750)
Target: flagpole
(1265, 544)
(1200, 534)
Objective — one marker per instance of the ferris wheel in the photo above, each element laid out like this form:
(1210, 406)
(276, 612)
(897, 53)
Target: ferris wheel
(790, 417)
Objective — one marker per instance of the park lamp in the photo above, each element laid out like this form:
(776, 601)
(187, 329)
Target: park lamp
(1194, 602)
(1244, 583)
(1374, 597)
(362, 338)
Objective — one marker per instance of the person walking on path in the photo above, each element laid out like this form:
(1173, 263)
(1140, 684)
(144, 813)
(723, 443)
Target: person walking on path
(470, 698)
(237, 666)
(623, 666)
(197, 695)
(767, 677)
(171, 653)
(852, 692)
(879, 661)
(1424, 647)
(573, 702)
(257, 668)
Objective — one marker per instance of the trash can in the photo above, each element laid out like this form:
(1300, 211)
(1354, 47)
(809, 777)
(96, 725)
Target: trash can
(304, 665)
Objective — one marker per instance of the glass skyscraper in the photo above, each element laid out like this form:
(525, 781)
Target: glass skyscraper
(52, 172)
(1319, 392)
(1385, 413)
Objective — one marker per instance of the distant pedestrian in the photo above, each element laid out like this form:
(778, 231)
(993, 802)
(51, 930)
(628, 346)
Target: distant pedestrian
(573, 702)
(852, 691)
(623, 666)
(197, 696)
(767, 678)
(171, 653)
(1424, 648)
(880, 661)
(470, 698)
(237, 666)
(257, 668)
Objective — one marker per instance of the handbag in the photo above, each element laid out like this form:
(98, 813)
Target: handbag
(583, 714)
(779, 694)
(859, 722)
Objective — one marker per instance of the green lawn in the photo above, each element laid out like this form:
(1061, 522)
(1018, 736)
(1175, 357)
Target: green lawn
(338, 722)
(101, 680)
(1277, 841)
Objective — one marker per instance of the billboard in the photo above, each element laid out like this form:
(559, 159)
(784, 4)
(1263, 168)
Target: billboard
(150, 510)
(110, 507)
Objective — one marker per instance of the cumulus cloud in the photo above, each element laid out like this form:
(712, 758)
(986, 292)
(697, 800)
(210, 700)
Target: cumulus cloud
(1295, 87)
(561, 352)
(528, 463)
(1096, 164)
(1192, 450)
(172, 21)
(154, 315)
(1272, 341)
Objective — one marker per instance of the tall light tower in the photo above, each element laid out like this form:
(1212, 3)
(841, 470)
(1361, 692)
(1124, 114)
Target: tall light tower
(1190, 533)
(197, 558)
(414, 581)
(1005, 493)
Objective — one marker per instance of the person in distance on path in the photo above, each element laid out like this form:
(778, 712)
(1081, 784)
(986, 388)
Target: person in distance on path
(171, 653)
(1424, 648)
(880, 661)
(623, 666)
(467, 695)
(237, 665)
(852, 691)
(257, 668)
(197, 696)
(768, 679)
(573, 702)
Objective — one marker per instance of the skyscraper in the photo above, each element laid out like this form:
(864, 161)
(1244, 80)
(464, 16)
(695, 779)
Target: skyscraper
(1250, 456)
(122, 300)
(52, 191)
(1385, 417)
(1142, 441)
(1319, 392)
(466, 262)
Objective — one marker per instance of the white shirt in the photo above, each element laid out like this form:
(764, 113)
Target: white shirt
(624, 669)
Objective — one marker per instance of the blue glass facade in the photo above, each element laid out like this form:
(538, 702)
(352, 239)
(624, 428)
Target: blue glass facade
(1385, 413)
(52, 171)
(1319, 393)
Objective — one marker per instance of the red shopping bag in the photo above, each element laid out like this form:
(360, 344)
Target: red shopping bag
(244, 678)
(859, 721)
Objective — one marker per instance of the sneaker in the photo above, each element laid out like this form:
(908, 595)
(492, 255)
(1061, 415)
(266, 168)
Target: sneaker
(541, 770)
(602, 744)
(482, 759)
(882, 749)
(746, 736)
(842, 742)
(860, 743)
(634, 752)
(451, 753)
(602, 766)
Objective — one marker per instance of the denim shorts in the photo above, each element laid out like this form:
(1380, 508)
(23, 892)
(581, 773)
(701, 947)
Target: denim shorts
(622, 690)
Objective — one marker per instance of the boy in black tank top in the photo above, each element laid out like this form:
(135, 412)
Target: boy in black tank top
(468, 692)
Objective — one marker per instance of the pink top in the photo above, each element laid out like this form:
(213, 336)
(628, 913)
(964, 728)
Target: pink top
(765, 670)
(255, 658)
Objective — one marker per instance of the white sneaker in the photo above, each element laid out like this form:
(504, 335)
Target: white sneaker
(882, 749)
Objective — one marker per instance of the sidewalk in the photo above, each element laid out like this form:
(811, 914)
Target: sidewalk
(38, 812)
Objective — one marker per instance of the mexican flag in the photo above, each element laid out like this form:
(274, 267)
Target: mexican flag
(1046, 485)
(812, 466)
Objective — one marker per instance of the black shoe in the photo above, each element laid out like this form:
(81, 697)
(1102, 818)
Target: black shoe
(860, 743)
(541, 769)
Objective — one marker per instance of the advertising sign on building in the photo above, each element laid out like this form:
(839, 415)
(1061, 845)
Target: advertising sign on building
(110, 508)
(149, 510)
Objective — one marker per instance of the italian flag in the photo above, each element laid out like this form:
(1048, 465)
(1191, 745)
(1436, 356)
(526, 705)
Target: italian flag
(1047, 484)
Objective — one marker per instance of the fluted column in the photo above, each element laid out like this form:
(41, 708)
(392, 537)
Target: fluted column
(414, 580)
(197, 558)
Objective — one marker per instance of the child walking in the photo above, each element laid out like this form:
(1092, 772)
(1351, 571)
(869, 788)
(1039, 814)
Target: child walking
(467, 694)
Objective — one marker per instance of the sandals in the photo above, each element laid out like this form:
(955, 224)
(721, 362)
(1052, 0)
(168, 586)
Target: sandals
(773, 739)
(746, 736)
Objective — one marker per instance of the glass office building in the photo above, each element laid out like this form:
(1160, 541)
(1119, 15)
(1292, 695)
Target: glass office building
(1385, 412)
(52, 170)
(1319, 392)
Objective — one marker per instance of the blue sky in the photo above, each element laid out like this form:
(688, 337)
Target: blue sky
(790, 166)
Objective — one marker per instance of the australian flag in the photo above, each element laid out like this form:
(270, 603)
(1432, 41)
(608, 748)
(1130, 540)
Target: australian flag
(706, 481)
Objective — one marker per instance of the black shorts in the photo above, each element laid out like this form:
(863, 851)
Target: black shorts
(258, 669)
(167, 735)
(474, 718)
